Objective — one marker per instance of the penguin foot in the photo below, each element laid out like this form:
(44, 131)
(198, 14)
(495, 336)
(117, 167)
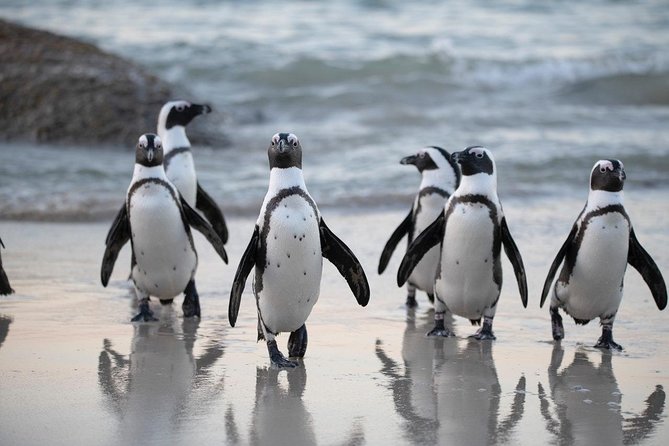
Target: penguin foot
(411, 302)
(191, 305)
(483, 335)
(556, 324)
(297, 343)
(277, 357)
(606, 340)
(145, 313)
(440, 330)
(166, 301)
(609, 345)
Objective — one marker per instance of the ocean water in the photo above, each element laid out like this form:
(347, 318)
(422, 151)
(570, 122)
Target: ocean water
(549, 87)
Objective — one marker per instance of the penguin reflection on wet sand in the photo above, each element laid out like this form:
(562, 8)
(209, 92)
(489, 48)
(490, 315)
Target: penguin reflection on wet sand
(157, 221)
(287, 248)
(595, 256)
(280, 415)
(440, 177)
(584, 403)
(178, 160)
(162, 382)
(445, 390)
(5, 288)
(470, 231)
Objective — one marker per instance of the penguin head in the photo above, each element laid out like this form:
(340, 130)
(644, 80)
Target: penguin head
(179, 113)
(433, 159)
(149, 150)
(608, 175)
(285, 151)
(474, 160)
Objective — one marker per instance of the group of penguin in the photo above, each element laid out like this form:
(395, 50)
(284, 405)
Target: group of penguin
(455, 229)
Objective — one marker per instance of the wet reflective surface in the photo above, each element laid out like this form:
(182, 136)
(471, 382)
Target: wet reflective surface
(72, 366)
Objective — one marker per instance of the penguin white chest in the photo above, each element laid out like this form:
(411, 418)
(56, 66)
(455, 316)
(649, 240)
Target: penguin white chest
(466, 280)
(289, 284)
(596, 283)
(181, 172)
(165, 257)
(428, 209)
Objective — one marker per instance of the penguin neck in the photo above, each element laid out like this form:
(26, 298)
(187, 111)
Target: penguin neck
(174, 138)
(479, 184)
(143, 172)
(436, 178)
(283, 178)
(602, 198)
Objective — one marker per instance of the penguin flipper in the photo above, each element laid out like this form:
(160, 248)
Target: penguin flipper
(246, 264)
(118, 235)
(516, 260)
(5, 288)
(431, 236)
(336, 251)
(394, 239)
(210, 209)
(644, 263)
(559, 257)
(197, 222)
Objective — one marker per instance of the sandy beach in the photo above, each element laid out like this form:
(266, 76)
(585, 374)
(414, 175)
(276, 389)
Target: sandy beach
(74, 369)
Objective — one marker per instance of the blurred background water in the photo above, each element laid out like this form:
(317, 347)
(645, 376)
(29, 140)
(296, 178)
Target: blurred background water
(549, 87)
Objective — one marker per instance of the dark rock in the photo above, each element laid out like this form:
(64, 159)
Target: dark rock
(59, 90)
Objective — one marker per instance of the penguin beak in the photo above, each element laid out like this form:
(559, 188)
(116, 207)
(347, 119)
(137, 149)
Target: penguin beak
(201, 109)
(150, 155)
(281, 146)
(409, 160)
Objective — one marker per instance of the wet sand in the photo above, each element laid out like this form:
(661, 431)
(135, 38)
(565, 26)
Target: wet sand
(74, 369)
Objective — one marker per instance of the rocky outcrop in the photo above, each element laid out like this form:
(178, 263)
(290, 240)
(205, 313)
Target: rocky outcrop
(59, 90)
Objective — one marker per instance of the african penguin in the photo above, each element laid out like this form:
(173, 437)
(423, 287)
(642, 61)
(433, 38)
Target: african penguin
(471, 231)
(287, 248)
(5, 288)
(440, 177)
(595, 256)
(157, 221)
(178, 160)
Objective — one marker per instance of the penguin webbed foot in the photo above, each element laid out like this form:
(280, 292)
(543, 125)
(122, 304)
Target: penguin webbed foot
(145, 313)
(482, 335)
(297, 343)
(440, 330)
(277, 357)
(606, 341)
(191, 305)
(556, 324)
(485, 332)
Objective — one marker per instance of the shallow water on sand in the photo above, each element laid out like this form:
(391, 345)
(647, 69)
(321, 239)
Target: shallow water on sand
(72, 366)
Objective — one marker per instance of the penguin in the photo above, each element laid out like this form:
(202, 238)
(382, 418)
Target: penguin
(440, 177)
(289, 242)
(471, 231)
(5, 288)
(157, 220)
(594, 258)
(178, 160)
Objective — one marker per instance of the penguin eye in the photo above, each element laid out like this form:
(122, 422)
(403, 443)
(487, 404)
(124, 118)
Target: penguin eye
(479, 155)
(602, 170)
(141, 145)
(275, 139)
(292, 139)
(180, 107)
